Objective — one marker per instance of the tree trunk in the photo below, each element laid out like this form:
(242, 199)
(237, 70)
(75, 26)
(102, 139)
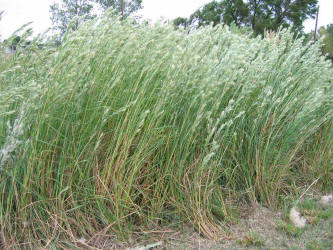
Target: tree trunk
(122, 7)
(253, 24)
(316, 27)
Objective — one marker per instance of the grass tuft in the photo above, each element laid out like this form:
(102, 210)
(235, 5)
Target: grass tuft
(127, 125)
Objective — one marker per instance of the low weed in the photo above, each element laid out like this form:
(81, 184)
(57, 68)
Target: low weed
(252, 239)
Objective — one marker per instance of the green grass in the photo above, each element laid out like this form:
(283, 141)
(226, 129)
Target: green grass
(289, 228)
(126, 127)
(252, 239)
(314, 213)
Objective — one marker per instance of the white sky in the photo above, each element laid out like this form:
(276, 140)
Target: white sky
(19, 12)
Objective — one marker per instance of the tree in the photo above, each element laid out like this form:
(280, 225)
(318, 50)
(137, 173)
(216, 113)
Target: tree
(15, 42)
(210, 13)
(227, 11)
(257, 14)
(62, 14)
(181, 22)
(124, 7)
(327, 35)
(235, 11)
(272, 14)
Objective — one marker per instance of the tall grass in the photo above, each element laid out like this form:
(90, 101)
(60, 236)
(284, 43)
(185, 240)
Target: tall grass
(127, 126)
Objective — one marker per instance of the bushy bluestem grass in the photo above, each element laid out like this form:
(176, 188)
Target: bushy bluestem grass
(125, 126)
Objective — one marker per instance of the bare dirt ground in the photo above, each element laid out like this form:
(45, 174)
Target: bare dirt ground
(263, 228)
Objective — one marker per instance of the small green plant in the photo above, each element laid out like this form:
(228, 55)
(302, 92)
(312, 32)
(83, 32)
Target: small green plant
(289, 228)
(319, 245)
(252, 239)
(314, 212)
(326, 213)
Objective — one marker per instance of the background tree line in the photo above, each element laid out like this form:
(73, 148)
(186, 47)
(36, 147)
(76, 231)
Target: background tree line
(62, 14)
(260, 15)
(257, 15)
(70, 14)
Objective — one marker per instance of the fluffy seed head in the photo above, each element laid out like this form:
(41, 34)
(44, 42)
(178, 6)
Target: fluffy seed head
(296, 218)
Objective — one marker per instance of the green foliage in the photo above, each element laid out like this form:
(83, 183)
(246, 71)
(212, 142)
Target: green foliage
(289, 229)
(285, 13)
(129, 6)
(62, 14)
(19, 41)
(314, 213)
(252, 239)
(125, 125)
(258, 14)
(180, 22)
(327, 35)
(319, 245)
(210, 13)
(71, 13)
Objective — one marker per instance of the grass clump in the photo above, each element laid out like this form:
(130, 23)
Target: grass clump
(125, 126)
(289, 228)
(252, 239)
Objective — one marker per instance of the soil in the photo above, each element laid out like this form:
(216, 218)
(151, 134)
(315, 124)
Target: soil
(260, 231)
(258, 228)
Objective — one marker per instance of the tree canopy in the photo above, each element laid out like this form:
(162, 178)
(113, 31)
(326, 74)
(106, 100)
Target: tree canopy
(257, 14)
(128, 7)
(63, 13)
